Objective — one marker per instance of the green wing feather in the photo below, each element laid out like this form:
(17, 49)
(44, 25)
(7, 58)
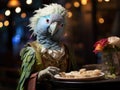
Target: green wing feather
(28, 56)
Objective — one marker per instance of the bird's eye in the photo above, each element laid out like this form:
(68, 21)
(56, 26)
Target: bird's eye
(62, 25)
(47, 20)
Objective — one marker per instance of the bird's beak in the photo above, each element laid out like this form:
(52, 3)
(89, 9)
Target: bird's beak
(53, 28)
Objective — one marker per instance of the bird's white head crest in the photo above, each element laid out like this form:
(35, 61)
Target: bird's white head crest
(47, 10)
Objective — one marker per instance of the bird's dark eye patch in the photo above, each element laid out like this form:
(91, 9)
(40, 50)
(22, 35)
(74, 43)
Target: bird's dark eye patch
(47, 20)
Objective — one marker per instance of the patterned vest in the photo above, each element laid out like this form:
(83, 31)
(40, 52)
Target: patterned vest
(45, 60)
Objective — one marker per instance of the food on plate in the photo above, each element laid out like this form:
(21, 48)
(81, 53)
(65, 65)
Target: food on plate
(82, 73)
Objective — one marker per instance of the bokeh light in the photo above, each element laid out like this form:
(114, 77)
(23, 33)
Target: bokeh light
(101, 20)
(23, 15)
(6, 23)
(1, 24)
(7, 12)
(18, 10)
(69, 13)
(28, 2)
(76, 4)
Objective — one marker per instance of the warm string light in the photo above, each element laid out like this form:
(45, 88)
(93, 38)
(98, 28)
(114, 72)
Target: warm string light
(1, 24)
(101, 20)
(69, 14)
(84, 2)
(68, 5)
(100, 0)
(107, 0)
(23, 15)
(13, 3)
(28, 2)
(104, 0)
(18, 9)
(6, 23)
(7, 12)
(76, 4)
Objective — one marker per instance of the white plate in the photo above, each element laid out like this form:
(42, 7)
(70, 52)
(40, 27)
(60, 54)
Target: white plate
(58, 77)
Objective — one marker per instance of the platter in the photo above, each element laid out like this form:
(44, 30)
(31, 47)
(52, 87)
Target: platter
(58, 77)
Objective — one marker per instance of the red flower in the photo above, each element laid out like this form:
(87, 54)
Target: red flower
(99, 45)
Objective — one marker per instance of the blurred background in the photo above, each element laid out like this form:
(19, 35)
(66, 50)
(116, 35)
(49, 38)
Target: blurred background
(87, 22)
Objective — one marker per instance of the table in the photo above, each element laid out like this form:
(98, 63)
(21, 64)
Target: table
(84, 85)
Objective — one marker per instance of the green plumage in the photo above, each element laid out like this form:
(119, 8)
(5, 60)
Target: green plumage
(28, 56)
(32, 62)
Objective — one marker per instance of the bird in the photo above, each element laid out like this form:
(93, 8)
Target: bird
(47, 55)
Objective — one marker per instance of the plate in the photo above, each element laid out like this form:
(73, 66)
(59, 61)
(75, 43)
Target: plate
(58, 77)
